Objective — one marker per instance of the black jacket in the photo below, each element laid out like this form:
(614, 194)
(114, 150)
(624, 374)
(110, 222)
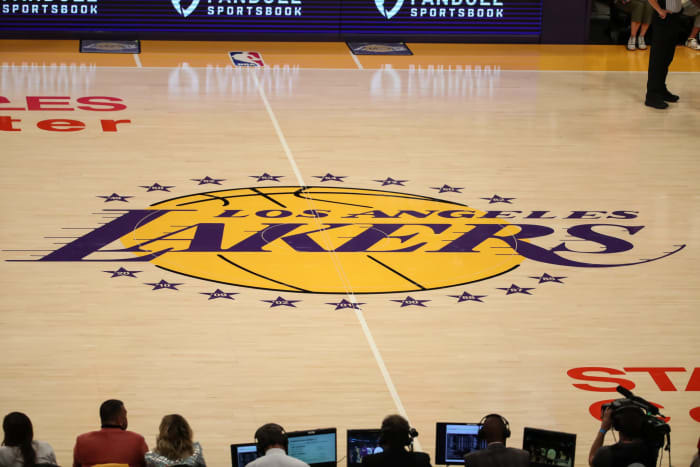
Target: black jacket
(397, 458)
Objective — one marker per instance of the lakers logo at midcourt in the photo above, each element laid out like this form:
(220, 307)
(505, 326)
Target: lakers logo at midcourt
(331, 240)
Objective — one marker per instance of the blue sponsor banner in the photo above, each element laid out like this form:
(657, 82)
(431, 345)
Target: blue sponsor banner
(401, 18)
(216, 17)
(322, 19)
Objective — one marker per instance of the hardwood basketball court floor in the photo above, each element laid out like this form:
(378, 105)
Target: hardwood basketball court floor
(471, 229)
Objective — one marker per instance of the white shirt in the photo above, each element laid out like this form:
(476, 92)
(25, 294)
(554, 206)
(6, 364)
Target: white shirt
(276, 457)
(12, 457)
(674, 6)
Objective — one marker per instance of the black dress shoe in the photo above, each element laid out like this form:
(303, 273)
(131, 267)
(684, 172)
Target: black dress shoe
(669, 97)
(655, 102)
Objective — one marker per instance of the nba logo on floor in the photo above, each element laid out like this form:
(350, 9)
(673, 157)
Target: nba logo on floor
(253, 59)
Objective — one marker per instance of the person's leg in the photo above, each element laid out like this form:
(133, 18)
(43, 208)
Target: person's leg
(634, 28)
(637, 13)
(633, 9)
(646, 22)
(674, 27)
(692, 41)
(694, 12)
(658, 62)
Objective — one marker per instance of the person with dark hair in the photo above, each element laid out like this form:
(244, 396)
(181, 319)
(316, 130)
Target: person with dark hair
(272, 448)
(495, 430)
(630, 449)
(394, 436)
(174, 445)
(19, 449)
(113, 443)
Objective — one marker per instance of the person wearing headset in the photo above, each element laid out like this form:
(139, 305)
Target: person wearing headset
(495, 429)
(630, 449)
(272, 443)
(394, 436)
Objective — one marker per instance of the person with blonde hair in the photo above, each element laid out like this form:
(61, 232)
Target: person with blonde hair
(174, 445)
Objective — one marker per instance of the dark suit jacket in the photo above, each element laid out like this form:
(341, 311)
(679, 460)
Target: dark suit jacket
(497, 455)
(397, 459)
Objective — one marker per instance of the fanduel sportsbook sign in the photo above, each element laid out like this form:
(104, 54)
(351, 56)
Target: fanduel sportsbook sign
(50, 7)
(444, 8)
(276, 8)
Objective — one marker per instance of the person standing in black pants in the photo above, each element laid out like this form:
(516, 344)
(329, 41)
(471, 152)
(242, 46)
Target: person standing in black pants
(665, 27)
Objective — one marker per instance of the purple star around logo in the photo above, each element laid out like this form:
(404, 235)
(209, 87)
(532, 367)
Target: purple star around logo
(331, 178)
(345, 304)
(515, 289)
(121, 272)
(410, 301)
(163, 284)
(157, 187)
(467, 297)
(218, 293)
(391, 181)
(208, 180)
(498, 199)
(115, 197)
(447, 189)
(547, 278)
(279, 301)
(266, 177)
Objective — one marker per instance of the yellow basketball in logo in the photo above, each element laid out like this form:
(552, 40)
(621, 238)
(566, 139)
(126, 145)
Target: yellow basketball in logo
(324, 240)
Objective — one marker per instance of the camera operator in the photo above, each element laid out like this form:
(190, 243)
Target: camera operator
(631, 448)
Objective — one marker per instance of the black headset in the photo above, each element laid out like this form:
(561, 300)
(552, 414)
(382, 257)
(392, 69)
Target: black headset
(506, 425)
(265, 437)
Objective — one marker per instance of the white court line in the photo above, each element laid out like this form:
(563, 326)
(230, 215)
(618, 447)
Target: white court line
(358, 313)
(278, 130)
(357, 60)
(137, 59)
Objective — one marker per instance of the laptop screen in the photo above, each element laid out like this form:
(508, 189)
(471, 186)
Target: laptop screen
(454, 440)
(549, 448)
(361, 443)
(315, 447)
(243, 454)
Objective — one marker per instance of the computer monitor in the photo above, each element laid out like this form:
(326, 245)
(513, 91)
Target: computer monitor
(361, 443)
(549, 448)
(454, 440)
(318, 448)
(243, 454)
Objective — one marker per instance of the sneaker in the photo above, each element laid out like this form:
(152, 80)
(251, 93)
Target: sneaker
(641, 44)
(692, 43)
(632, 43)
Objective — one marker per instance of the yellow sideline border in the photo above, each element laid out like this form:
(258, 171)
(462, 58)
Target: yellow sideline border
(335, 55)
